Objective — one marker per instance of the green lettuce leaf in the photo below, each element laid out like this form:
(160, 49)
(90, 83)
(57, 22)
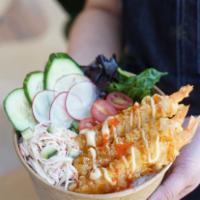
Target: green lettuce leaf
(137, 86)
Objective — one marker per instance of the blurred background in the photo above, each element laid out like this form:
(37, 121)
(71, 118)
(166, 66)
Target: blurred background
(29, 31)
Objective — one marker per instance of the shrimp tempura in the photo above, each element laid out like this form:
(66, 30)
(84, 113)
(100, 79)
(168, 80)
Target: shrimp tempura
(139, 141)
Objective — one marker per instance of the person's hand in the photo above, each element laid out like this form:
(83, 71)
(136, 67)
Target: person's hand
(184, 175)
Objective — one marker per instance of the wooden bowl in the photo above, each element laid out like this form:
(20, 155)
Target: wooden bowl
(50, 192)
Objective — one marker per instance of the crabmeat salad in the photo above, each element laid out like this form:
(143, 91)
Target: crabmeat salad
(50, 153)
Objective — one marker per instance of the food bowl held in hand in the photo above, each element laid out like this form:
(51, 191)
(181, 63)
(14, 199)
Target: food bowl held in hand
(96, 132)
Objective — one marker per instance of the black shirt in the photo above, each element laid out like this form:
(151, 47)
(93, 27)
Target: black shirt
(165, 34)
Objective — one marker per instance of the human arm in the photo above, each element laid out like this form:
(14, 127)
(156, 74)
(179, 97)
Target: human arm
(97, 30)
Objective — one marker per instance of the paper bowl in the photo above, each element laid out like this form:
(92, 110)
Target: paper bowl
(46, 191)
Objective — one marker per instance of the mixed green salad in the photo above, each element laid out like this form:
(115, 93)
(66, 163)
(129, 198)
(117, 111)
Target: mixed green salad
(65, 93)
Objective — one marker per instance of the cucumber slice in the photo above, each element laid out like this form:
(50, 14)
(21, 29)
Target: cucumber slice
(48, 152)
(33, 83)
(27, 134)
(59, 64)
(18, 110)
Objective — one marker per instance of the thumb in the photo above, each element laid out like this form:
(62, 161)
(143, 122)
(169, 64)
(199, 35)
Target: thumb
(172, 187)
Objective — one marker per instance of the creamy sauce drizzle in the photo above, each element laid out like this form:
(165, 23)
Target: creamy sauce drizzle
(153, 107)
(157, 154)
(94, 154)
(96, 172)
(157, 151)
(125, 161)
(107, 177)
(90, 137)
(105, 129)
(133, 158)
(115, 135)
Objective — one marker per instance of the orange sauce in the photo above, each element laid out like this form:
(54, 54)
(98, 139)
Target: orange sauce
(113, 122)
(156, 99)
(121, 149)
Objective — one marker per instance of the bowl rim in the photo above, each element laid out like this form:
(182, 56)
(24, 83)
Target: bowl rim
(91, 196)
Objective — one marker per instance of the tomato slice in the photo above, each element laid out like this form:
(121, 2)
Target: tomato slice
(101, 109)
(119, 100)
(87, 123)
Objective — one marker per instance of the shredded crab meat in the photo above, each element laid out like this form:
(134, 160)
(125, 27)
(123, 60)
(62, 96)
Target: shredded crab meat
(58, 169)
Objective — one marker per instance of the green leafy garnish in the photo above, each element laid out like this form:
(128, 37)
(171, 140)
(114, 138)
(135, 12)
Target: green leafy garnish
(136, 86)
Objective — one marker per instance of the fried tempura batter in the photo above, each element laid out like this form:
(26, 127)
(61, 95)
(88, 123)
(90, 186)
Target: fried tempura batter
(139, 141)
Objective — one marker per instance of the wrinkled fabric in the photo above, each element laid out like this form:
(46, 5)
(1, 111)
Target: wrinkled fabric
(165, 34)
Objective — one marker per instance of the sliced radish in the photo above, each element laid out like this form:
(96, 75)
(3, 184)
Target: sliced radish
(58, 114)
(41, 105)
(74, 105)
(80, 99)
(64, 83)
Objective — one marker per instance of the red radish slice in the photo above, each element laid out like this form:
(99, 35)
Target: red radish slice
(80, 99)
(87, 123)
(119, 100)
(101, 109)
(58, 114)
(41, 105)
(64, 83)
